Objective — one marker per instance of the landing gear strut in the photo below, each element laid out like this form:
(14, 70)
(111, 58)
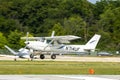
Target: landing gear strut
(15, 59)
(31, 56)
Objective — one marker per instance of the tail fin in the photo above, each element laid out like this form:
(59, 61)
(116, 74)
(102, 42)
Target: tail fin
(92, 43)
(12, 51)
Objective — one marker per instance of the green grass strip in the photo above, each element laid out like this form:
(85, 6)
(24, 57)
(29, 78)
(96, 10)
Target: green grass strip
(58, 67)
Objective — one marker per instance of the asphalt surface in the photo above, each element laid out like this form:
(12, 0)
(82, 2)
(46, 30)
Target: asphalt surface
(59, 77)
(67, 58)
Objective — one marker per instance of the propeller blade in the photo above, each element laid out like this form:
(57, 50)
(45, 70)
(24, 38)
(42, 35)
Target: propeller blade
(26, 42)
(27, 36)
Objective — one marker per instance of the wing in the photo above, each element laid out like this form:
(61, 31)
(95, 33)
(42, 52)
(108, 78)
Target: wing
(61, 39)
(67, 37)
(32, 38)
(12, 51)
(64, 39)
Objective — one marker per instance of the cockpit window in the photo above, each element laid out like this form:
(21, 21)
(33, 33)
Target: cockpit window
(48, 41)
(42, 39)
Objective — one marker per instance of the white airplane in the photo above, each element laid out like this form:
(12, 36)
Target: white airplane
(22, 53)
(45, 42)
(53, 45)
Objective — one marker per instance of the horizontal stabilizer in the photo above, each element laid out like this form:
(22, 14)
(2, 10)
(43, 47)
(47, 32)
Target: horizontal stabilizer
(12, 51)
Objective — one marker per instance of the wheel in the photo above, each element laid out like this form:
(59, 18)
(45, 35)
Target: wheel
(42, 56)
(53, 56)
(31, 56)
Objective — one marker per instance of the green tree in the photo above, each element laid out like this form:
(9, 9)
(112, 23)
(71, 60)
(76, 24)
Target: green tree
(58, 28)
(3, 41)
(14, 39)
(109, 22)
(75, 25)
(7, 25)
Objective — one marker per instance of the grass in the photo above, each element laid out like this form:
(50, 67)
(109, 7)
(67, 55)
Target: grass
(58, 67)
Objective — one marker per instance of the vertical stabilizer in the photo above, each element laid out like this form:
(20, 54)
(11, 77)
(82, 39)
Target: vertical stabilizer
(92, 43)
(12, 51)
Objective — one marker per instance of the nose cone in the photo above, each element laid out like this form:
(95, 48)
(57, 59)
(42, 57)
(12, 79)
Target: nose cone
(29, 44)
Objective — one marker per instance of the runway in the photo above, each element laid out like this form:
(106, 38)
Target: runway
(59, 77)
(68, 58)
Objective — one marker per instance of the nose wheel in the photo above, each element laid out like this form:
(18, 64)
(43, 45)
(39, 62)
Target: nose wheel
(31, 56)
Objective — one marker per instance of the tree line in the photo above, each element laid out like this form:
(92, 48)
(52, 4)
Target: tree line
(65, 17)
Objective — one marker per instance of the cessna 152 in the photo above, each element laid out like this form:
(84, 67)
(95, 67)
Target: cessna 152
(54, 45)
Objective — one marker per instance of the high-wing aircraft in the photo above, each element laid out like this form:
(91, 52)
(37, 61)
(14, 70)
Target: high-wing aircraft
(46, 42)
(54, 45)
(22, 53)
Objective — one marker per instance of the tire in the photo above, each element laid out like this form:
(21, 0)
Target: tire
(31, 56)
(53, 56)
(42, 56)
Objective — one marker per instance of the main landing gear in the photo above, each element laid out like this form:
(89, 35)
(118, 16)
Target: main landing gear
(42, 56)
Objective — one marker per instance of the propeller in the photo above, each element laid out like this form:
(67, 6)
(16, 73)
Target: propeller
(26, 42)
(27, 36)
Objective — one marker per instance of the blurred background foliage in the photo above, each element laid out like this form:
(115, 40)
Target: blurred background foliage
(65, 17)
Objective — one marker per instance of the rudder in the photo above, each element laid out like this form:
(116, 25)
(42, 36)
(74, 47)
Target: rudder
(92, 43)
